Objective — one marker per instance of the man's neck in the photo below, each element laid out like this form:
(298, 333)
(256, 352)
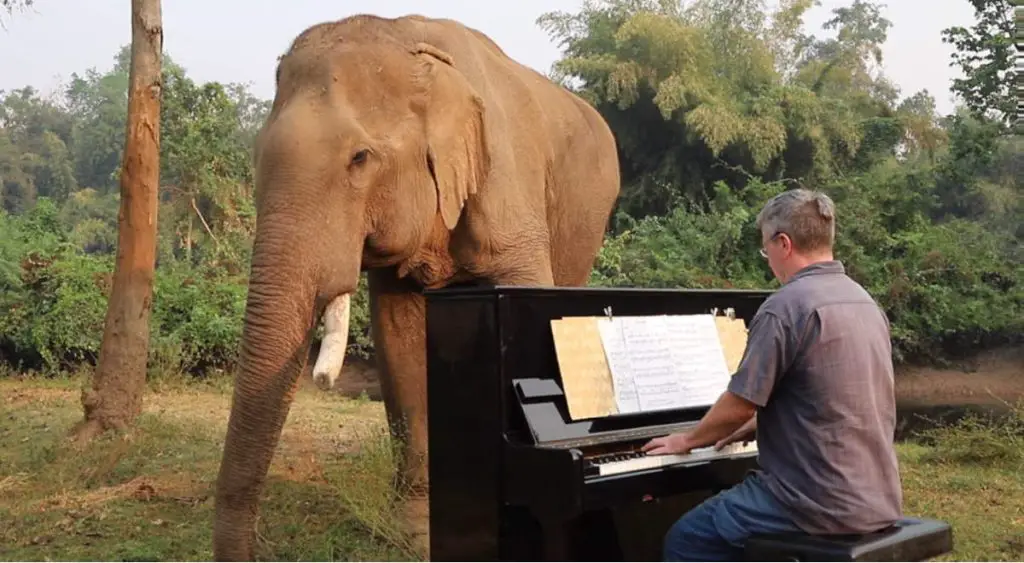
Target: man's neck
(802, 261)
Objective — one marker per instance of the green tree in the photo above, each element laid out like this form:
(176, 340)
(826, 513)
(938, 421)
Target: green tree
(923, 134)
(206, 167)
(99, 104)
(35, 160)
(719, 89)
(984, 53)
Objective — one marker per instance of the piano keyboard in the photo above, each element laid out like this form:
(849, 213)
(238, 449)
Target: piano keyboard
(624, 462)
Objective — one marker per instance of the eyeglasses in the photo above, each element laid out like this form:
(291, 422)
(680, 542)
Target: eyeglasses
(764, 253)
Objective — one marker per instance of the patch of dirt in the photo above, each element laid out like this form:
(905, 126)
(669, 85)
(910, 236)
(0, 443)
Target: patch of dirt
(992, 378)
(297, 459)
(357, 377)
(191, 406)
(317, 423)
(12, 482)
(178, 487)
(21, 395)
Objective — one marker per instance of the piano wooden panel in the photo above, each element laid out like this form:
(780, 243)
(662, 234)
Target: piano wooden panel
(496, 492)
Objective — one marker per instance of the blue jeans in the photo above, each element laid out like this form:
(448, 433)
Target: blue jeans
(717, 528)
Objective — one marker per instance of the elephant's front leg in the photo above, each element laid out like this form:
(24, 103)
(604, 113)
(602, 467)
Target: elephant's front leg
(398, 317)
(397, 312)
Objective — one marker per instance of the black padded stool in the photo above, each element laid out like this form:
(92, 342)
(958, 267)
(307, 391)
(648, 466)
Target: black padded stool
(910, 539)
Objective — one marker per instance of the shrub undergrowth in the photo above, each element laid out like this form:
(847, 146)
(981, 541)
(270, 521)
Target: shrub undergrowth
(982, 438)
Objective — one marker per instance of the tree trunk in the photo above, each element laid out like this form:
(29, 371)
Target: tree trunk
(115, 399)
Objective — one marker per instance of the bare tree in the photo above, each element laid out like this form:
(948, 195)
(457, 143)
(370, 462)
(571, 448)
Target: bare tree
(115, 399)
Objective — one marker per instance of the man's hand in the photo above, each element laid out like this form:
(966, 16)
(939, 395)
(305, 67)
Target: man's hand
(672, 444)
(743, 433)
(716, 426)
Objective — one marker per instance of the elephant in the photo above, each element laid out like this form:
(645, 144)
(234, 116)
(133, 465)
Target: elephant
(415, 151)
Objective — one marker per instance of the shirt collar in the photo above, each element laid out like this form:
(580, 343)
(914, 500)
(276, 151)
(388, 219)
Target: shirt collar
(824, 267)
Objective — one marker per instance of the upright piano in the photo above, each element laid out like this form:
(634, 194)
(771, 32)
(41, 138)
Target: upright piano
(512, 475)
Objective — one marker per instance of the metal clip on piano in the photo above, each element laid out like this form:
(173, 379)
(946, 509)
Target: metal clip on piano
(514, 477)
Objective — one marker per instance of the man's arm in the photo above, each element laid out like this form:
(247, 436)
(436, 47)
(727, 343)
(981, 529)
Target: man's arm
(726, 416)
(744, 434)
(767, 354)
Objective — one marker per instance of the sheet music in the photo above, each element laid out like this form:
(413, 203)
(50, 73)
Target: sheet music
(612, 337)
(650, 356)
(663, 362)
(699, 359)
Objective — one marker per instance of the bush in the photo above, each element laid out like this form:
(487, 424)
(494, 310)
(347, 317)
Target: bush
(979, 439)
(690, 247)
(948, 287)
(198, 314)
(54, 297)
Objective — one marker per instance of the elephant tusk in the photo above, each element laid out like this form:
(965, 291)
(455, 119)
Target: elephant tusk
(332, 350)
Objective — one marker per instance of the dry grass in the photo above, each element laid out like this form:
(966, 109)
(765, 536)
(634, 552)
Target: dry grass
(149, 496)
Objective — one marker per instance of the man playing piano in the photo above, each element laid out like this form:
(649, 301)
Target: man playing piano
(816, 380)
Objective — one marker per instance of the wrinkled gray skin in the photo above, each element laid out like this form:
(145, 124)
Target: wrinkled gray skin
(417, 151)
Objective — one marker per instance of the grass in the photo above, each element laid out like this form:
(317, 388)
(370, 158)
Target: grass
(149, 497)
(971, 474)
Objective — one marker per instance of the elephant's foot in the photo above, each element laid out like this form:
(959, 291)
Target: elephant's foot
(415, 519)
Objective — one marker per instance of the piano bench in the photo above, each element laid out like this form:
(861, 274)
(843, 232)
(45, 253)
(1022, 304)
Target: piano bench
(910, 539)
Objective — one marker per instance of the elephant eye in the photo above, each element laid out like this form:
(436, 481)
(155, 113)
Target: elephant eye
(360, 157)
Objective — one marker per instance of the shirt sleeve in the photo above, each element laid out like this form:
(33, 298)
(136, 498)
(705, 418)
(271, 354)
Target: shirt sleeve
(764, 359)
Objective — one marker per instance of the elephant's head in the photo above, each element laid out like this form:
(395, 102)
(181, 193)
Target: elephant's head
(368, 155)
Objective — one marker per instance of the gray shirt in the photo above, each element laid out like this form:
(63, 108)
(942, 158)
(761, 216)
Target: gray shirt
(818, 365)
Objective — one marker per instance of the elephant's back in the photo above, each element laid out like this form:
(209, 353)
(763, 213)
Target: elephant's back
(573, 128)
(526, 108)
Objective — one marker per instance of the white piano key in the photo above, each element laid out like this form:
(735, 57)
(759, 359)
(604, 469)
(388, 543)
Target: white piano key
(641, 461)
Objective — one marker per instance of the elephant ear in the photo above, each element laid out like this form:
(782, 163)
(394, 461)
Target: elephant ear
(454, 123)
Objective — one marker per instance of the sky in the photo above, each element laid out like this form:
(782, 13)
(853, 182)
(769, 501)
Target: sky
(240, 40)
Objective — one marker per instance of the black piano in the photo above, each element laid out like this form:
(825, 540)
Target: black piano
(512, 476)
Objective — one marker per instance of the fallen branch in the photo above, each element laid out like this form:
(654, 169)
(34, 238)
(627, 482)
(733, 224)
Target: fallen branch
(205, 224)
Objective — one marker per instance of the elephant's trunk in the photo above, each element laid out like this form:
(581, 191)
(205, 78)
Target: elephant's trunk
(279, 318)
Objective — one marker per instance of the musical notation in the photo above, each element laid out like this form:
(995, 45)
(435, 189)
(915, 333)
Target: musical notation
(634, 364)
(664, 361)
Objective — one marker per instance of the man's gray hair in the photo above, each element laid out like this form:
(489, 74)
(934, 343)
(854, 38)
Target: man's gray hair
(808, 217)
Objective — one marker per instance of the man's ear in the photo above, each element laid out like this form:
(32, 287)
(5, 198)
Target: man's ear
(453, 112)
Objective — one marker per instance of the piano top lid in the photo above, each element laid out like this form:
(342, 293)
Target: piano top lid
(538, 290)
